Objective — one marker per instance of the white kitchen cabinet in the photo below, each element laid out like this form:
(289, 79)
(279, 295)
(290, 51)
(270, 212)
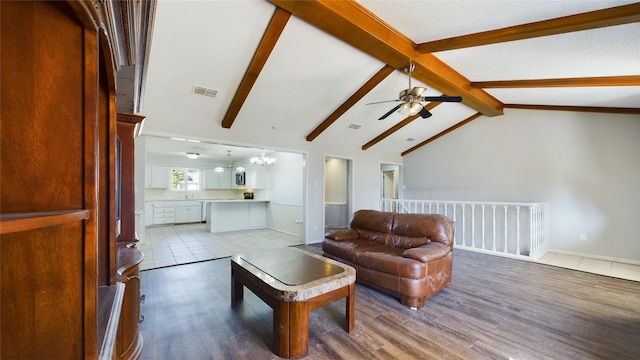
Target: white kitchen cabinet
(255, 177)
(148, 213)
(188, 212)
(158, 177)
(164, 212)
(218, 180)
(231, 215)
(258, 215)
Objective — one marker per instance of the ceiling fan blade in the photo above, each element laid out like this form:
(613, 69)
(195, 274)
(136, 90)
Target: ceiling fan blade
(442, 98)
(425, 113)
(380, 102)
(390, 112)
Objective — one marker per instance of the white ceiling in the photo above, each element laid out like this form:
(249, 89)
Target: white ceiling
(310, 74)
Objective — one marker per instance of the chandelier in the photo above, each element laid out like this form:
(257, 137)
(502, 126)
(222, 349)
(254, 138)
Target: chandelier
(262, 160)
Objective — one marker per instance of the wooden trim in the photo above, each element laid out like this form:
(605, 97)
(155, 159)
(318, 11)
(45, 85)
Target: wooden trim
(268, 42)
(590, 20)
(630, 80)
(14, 222)
(136, 121)
(359, 94)
(595, 109)
(355, 25)
(397, 127)
(442, 133)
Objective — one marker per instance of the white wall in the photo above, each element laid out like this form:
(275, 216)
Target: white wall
(586, 166)
(366, 164)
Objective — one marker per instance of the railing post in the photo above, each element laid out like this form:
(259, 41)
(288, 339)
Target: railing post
(517, 230)
(483, 227)
(506, 247)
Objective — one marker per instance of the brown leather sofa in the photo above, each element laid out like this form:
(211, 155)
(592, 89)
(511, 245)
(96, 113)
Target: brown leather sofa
(409, 256)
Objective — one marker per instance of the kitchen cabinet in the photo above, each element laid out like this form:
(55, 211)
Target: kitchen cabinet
(255, 177)
(218, 180)
(158, 177)
(230, 215)
(258, 215)
(164, 212)
(148, 213)
(188, 212)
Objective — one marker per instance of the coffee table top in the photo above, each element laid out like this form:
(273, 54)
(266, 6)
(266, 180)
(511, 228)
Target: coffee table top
(291, 274)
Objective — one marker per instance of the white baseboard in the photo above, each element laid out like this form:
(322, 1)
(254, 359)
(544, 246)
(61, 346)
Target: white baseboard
(597, 257)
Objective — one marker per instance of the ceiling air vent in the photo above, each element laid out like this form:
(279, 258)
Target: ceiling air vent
(355, 126)
(201, 90)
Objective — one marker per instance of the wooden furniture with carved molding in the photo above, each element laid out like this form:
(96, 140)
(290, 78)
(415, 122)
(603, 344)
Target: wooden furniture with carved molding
(69, 289)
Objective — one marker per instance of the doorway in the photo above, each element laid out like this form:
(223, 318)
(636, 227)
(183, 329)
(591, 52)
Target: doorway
(337, 193)
(389, 185)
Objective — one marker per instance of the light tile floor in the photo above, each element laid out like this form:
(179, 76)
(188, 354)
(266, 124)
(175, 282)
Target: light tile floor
(182, 244)
(596, 266)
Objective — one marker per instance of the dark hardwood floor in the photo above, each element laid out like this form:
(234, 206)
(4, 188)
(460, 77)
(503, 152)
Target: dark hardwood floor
(495, 308)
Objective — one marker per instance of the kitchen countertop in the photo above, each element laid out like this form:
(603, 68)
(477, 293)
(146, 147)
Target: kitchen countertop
(231, 200)
(212, 200)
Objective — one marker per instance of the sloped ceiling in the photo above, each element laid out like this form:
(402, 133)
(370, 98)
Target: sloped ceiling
(316, 80)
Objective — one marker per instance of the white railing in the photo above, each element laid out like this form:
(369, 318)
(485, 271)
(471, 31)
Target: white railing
(517, 230)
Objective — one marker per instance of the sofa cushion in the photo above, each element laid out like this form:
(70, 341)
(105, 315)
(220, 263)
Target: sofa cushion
(342, 234)
(372, 220)
(392, 240)
(431, 252)
(350, 249)
(390, 261)
(433, 226)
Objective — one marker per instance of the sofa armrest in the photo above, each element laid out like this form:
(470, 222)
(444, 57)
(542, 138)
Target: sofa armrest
(342, 234)
(429, 252)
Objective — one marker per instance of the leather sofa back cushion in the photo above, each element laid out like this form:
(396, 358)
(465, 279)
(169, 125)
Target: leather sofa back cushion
(372, 220)
(393, 240)
(433, 226)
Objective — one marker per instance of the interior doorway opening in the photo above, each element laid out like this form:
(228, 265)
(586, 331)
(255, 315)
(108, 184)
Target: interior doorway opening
(337, 193)
(390, 183)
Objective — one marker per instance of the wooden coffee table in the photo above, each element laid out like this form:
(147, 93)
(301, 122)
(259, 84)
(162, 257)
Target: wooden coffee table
(293, 283)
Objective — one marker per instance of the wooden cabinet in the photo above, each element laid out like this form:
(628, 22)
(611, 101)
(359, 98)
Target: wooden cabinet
(129, 344)
(60, 291)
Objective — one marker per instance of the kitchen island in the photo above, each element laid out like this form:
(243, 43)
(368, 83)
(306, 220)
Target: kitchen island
(231, 215)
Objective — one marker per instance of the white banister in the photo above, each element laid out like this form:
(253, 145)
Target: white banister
(522, 226)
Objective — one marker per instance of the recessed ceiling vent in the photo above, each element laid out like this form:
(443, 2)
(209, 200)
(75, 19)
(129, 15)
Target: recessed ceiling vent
(201, 90)
(355, 126)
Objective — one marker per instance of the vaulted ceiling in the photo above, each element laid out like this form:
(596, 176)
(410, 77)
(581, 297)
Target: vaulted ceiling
(309, 68)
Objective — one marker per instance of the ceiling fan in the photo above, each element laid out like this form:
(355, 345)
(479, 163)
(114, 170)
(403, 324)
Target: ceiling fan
(412, 100)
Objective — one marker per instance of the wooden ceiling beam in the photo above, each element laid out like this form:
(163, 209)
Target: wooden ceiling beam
(442, 133)
(595, 109)
(352, 100)
(357, 26)
(618, 15)
(397, 127)
(268, 42)
(630, 80)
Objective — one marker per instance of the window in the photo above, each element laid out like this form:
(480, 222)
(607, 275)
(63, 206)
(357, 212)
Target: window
(185, 179)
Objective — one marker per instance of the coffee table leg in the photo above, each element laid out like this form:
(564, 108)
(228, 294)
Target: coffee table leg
(298, 329)
(350, 307)
(281, 329)
(237, 290)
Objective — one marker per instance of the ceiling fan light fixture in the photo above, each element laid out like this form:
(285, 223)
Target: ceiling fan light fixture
(193, 156)
(417, 91)
(415, 108)
(404, 108)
